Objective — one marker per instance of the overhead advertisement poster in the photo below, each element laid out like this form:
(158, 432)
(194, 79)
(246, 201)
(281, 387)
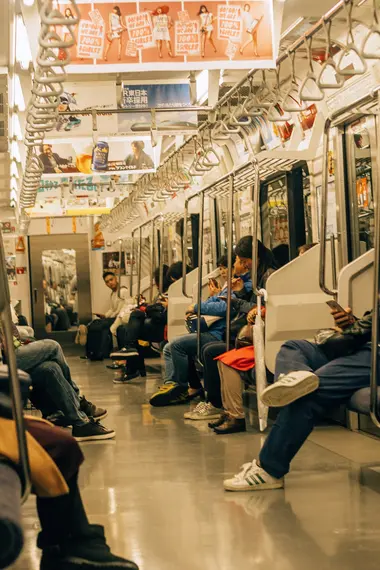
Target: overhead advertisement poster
(110, 156)
(176, 35)
(157, 96)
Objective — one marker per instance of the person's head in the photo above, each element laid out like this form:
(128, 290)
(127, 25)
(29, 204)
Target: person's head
(137, 147)
(304, 248)
(175, 272)
(157, 277)
(161, 10)
(203, 10)
(46, 149)
(116, 10)
(281, 254)
(222, 264)
(68, 13)
(110, 280)
(243, 252)
(247, 7)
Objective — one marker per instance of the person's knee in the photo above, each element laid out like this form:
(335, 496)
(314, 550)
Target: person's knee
(52, 345)
(167, 350)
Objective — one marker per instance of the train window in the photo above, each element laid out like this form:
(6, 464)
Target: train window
(360, 145)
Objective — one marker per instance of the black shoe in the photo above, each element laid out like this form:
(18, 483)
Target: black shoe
(231, 425)
(219, 422)
(124, 353)
(125, 378)
(91, 410)
(115, 366)
(200, 393)
(170, 394)
(92, 431)
(85, 553)
(58, 420)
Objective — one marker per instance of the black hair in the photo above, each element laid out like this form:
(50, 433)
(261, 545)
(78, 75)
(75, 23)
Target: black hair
(106, 273)
(71, 14)
(164, 274)
(138, 144)
(305, 247)
(200, 9)
(117, 9)
(175, 271)
(265, 256)
(223, 260)
(281, 254)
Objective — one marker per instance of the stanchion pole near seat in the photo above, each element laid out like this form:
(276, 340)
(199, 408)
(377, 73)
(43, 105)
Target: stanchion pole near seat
(374, 411)
(200, 271)
(161, 259)
(230, 237)
(184, 249)
(255, 224)
(15, 390)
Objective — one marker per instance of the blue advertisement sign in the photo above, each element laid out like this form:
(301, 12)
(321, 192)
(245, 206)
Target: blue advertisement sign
(157, 96)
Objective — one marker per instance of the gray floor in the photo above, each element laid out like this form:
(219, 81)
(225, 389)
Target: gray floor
(158, 490)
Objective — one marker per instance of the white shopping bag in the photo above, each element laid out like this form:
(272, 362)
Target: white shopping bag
(260, 370)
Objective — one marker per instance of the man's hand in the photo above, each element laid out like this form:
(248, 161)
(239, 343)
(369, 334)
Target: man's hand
(343, 320)
(190, 310)
(237, 284)
(100, 315)
(163, 302)
(213, 289)
(251, 316)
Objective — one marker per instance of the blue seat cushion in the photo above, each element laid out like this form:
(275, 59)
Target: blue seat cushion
(360, 401)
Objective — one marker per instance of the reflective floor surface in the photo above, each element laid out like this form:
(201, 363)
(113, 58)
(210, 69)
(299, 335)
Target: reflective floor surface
(158, 490)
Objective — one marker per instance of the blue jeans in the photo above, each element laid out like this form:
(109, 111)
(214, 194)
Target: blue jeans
(177, 354)
(338, 380)
(45, 362)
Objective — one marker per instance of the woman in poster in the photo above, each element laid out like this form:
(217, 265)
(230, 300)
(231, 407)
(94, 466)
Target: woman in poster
(161, 29)
(207, 28)
(251, 25)
(116, 28)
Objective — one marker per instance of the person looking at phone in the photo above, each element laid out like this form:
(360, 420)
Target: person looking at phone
(180, 353)
(310, 381)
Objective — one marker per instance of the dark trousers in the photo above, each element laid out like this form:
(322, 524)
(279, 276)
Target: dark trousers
(139, 327)
(338, 380)
(211, 372)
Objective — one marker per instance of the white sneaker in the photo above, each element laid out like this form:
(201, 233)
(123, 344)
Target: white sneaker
(290, 387)
(252, 478)
(203, 411)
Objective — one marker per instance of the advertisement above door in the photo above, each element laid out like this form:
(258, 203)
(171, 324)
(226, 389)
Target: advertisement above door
(175, 35)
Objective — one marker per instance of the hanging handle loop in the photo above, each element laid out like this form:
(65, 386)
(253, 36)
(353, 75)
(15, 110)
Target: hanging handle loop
(351, 47)
(309, 89)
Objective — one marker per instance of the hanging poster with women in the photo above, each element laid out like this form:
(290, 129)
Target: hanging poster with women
(107, 157)
(176, 35)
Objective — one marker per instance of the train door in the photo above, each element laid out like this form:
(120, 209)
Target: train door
(60, 283)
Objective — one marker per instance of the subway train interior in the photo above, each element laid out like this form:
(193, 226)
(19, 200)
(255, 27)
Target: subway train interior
(189, 330)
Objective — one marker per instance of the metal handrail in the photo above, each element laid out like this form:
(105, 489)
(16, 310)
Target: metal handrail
(184, 248)
(200, 271)
(152, 260)
(131, 261)
(324, 205)
(230, 217)
(161, 258)
(255, 225)
(120, 253)
(374, 403)
(15, 390)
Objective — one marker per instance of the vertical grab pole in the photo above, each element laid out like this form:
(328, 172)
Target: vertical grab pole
(120, 254)
(139, 266)
(152, 260)
(15, 390)
(184, 250)
(131, 261)
(230, 216)
(374, 412)
(333, 262)
(161, 258)
(200, 268)
(324, 204)
(255, 224)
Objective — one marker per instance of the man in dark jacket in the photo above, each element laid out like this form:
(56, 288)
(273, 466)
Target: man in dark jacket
(310, 380)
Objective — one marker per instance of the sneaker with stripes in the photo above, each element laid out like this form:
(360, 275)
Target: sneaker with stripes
(203, 411)
(253, 478)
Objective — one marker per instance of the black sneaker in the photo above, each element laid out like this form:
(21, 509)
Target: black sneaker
(85, 553)
(170, 394)
(91, 410)
(219, 422)
(58, 420)
(92, 431)
(124, 353)
(125, 378)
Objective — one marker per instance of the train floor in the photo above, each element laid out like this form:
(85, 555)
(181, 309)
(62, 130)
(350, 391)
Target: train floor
(157, 488)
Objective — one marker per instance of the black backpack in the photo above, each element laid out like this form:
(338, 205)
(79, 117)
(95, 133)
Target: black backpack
(99, 340)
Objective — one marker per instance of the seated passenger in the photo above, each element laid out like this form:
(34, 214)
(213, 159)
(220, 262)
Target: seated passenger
(178, 352)
(281, 254)
(304, 248)
(212, 410)
(311, 380)
(38, 358)
(67, 539)
(117, 302)
(146, 325)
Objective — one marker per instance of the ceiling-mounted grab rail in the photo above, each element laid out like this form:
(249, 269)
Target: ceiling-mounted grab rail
(15, 390)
